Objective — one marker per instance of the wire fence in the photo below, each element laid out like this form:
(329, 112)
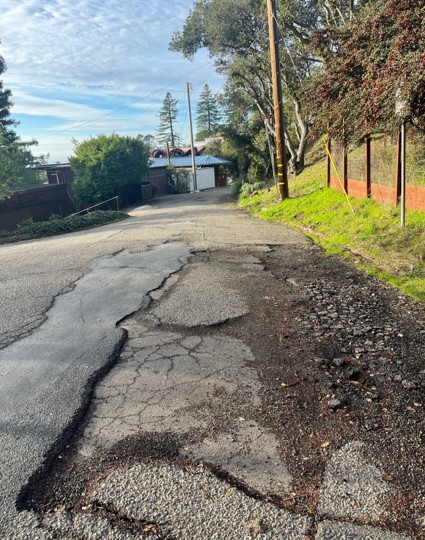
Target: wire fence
(373, 169)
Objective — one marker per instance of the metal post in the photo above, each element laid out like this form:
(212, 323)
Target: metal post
(269, 143)
(398, 169)
(403, 174)
(282, 171)
(192, 146)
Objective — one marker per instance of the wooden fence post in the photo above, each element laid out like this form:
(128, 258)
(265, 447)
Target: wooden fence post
(345, 166)
(368, 168)
(328, 163)
(398, 169)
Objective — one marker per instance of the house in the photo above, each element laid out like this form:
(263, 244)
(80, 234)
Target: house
(176, 152)
(58, 173)
(208, 169)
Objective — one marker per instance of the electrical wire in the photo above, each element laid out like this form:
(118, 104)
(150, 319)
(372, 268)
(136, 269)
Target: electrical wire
(128, 105)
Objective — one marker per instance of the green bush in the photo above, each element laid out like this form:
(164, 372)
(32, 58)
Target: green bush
(29, 229)
(236, 188)
(109, 165)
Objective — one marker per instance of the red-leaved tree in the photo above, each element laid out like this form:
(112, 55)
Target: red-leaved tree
(371, 67)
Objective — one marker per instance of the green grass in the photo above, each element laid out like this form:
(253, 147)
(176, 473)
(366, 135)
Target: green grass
(57, 225)
(371, 236)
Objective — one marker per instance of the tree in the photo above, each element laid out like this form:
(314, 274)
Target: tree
(235, 34)
(107, 166)
(208, 114)
(149, 141)
(16, 160)
(167, 119)
(363, 79)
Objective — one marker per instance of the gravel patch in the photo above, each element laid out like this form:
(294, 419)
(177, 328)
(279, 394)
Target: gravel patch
(346, 531)
(194, 505)
(353, 487)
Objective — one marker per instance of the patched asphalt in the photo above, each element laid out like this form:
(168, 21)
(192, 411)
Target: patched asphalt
(192, 390)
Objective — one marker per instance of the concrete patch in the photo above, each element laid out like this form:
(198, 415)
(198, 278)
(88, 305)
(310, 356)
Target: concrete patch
(168, 382)
(353, 487)
(329, 530)
(195, 505)
(203, 298)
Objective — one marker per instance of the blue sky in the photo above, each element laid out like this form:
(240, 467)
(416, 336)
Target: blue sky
(78, 68)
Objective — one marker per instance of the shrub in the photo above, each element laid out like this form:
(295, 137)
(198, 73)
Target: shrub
(28, 229)
(109, 165)
(236, 188)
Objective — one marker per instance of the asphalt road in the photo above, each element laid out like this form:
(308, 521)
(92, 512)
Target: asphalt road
(167, 336)
(61, 300)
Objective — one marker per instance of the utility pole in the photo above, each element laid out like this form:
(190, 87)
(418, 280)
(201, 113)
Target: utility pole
(282, 171)
(192, 146)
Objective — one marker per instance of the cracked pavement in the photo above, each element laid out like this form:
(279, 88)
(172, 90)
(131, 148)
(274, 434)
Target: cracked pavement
(137, 402)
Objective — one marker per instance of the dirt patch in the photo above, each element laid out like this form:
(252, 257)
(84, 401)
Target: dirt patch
(340, 356)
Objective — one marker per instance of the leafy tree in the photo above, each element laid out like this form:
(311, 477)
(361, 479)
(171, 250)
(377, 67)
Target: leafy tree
(149, 140)
(167, 119)
(107, 166)
(208, 114)
(363, 79)
(236, 35)
(16, 159)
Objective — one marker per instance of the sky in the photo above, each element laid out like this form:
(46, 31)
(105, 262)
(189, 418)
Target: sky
(77, 68)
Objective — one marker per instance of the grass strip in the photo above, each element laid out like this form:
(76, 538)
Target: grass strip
(371, 236)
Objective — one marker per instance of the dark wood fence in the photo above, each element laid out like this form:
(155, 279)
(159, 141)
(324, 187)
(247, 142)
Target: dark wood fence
(38, 203)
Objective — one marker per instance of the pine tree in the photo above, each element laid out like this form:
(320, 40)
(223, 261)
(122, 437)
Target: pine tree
(7, 135)
(208, 114)
(167, 118)
(16, 159)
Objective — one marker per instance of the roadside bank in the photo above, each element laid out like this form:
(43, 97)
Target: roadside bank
(366, 232)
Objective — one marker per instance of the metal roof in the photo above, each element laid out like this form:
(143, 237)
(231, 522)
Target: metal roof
(200, 161)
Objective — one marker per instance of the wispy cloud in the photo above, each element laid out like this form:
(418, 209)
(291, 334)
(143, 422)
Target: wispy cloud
(119, 47)
(38, 106)
(94, 65)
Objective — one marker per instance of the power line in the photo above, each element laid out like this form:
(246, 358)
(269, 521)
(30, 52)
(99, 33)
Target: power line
(165, 87)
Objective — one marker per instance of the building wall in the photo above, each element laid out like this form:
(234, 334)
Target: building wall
(63, 175)
(158, 179)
